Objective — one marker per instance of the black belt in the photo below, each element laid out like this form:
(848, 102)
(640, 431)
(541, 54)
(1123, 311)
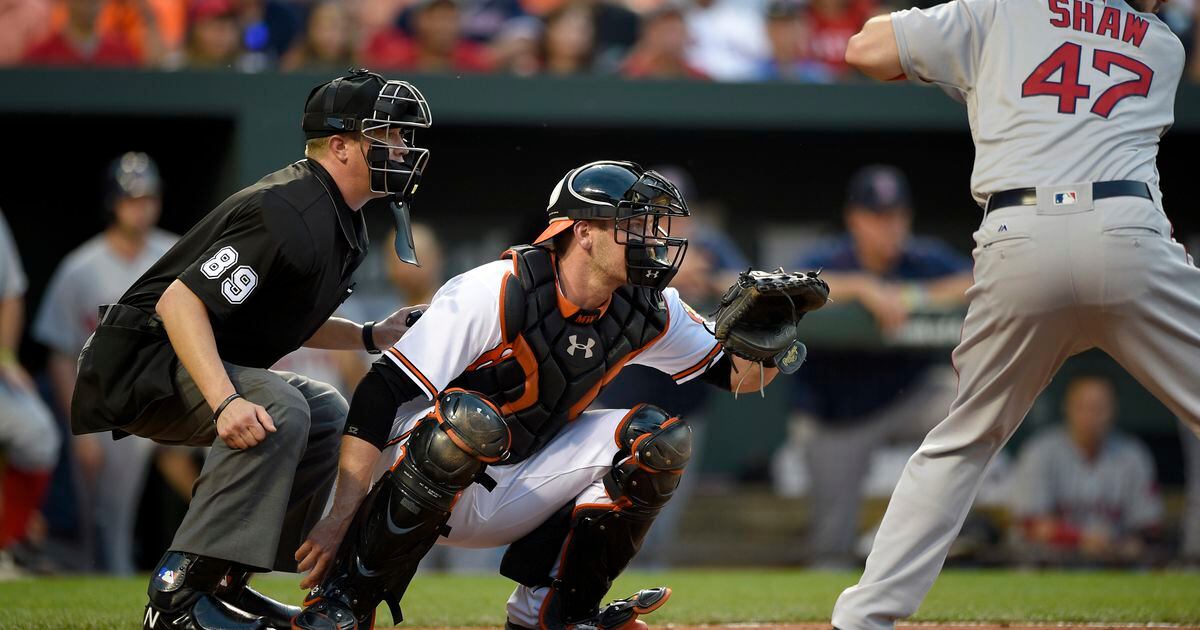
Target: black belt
(1100, 190)
(126, 316)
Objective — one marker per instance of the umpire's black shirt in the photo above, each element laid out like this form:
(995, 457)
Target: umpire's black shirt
(271, 263)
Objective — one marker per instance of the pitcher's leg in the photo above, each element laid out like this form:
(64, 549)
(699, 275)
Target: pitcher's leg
(1004, 364)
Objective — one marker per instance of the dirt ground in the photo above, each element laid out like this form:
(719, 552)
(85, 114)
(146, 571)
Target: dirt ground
(913, 626)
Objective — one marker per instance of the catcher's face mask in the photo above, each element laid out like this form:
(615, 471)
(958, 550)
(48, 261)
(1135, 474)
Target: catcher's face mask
(643, 226)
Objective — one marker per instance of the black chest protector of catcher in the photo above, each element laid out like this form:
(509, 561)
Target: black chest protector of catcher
(548, 367)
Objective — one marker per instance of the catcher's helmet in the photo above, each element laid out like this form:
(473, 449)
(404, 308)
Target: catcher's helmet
(134, 174)
(639, 202)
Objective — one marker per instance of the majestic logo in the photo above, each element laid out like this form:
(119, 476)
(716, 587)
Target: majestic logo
(1064, 198)
(575, 345)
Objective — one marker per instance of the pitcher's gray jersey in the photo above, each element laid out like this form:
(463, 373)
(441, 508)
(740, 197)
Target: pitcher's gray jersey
(1057, 91)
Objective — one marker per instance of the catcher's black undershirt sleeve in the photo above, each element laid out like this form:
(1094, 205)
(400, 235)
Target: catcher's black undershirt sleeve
(718, 375)
(376, 398)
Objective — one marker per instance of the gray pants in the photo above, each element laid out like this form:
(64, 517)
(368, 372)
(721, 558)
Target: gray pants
(254, 506)
(1050, 282)
(839, 457)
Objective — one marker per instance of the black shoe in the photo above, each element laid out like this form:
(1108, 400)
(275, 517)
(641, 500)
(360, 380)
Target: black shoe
(204, 613)
(624, 613)
(235, 591)
(181, 596)
(619, 615)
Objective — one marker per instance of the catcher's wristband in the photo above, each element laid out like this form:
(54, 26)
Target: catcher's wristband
(225, 403)
(368, 330)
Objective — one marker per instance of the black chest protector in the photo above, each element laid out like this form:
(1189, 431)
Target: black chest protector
(549, 367)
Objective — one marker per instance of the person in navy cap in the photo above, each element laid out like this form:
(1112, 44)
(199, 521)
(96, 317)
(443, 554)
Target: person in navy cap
(851, 403)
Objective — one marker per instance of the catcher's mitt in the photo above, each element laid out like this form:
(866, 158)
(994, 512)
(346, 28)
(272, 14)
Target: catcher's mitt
(758, 316)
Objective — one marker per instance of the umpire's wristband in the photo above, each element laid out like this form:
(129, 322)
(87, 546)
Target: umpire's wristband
(368, 330)
(225, 403)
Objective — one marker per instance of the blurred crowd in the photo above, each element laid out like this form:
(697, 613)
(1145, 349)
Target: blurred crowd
(723, 40)
(1077, 492)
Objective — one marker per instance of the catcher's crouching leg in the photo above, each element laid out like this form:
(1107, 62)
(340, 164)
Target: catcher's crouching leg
(602, 539)
(401, 518)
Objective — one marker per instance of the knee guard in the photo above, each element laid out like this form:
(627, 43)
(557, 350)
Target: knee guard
(401, 518)
(654, 450)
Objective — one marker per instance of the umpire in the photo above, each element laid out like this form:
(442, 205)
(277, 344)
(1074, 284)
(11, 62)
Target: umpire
(183, 357)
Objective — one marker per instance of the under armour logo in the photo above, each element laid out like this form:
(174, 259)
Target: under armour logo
(575, 345)
(653, 273)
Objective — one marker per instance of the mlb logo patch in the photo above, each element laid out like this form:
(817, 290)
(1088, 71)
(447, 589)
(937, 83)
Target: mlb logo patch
(1064, 198)
(168, 577)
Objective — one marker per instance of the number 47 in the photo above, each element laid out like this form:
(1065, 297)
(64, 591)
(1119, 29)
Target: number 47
(1068, 89)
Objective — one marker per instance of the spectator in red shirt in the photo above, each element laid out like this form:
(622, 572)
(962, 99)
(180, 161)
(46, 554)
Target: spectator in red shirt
(78, 42)
(661, 50)
(437, 44)
(831, 25)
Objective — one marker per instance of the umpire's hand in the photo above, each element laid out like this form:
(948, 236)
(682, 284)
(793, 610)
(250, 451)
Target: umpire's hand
(390, 330)
(244, 424)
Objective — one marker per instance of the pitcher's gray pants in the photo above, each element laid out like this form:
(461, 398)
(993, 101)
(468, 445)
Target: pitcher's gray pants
(1050, 281)
(255, 506)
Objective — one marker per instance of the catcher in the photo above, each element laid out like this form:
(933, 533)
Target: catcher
(476, 420)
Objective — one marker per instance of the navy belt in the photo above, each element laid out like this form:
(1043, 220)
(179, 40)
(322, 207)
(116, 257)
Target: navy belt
(1100, 190)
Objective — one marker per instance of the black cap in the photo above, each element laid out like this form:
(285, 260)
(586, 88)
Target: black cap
(879, 188)
(341, 105)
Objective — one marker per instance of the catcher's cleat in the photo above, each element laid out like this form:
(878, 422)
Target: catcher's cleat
(323, 613)
(619, 615)
(235, 591)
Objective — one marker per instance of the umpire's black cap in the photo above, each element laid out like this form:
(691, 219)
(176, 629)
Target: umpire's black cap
(342, 104)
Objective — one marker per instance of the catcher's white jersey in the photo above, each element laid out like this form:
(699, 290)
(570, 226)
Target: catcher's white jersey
(1057, 91)
(461, 325)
